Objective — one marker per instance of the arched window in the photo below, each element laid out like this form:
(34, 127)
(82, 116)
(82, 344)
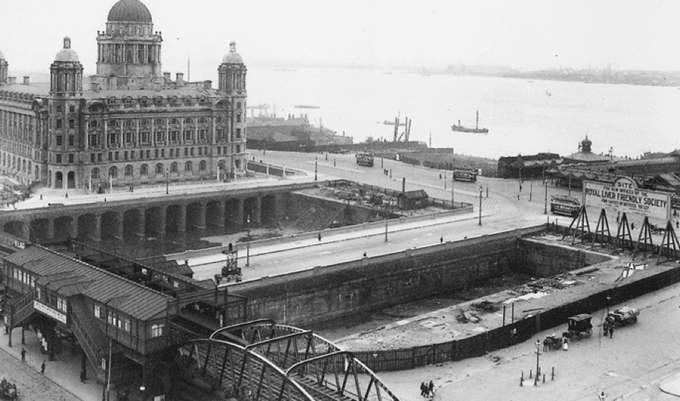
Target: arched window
(23, 165)
(173, 167)
(112, 123)
(201, 165)
(159, 122)
(95, 173)
(188, 167)
(159, 168)
(128, 171)
(113, 172)
(174, 121)
(144, 170)
(188, 121)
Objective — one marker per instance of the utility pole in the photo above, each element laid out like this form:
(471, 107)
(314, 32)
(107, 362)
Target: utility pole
(481, 189)
(248, 242)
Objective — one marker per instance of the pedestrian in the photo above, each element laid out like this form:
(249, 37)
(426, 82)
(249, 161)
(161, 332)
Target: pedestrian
(441, 239)
(423, 389)
(40, 196)
(42, 367)
(517, 196)
(430, 389)
(632, 226)
(319, 236)
(364, 254)
(231, 247)
(602, 396)
(611, 331)
(565, 345)
(23, 355)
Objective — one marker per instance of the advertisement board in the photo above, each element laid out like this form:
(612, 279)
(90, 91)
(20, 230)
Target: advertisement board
(624, 196)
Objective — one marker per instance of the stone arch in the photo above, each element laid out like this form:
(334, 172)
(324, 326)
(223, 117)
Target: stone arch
(58, 180)
(71, 180)
(17, 228)
(196, 215)
(88, 227)
(63, 228)
(133, 223)
(268, 210)
(39, 230)
(111, 225)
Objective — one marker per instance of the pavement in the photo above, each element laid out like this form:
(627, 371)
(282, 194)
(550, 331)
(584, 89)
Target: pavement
(63, 372)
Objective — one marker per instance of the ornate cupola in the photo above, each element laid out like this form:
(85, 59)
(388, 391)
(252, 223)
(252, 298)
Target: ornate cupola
(585, 145)
(66, 72)
(232, 72)
(3, 69)
(129, 47)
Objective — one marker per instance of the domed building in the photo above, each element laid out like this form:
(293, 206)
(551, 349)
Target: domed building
(129, 124)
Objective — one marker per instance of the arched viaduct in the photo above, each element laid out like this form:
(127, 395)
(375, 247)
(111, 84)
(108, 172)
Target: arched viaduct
(149, 216)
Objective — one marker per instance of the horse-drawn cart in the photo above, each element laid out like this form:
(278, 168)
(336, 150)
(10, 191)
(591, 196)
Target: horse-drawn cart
(8, 390)
(579, 326)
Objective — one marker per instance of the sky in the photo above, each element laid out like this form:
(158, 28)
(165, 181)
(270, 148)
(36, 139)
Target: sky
(431, 34)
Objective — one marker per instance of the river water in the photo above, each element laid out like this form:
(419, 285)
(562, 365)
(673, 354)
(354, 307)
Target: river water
(523, 116)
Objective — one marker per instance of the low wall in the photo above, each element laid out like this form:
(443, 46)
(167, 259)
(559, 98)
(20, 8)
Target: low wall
(543, 260)
(330, 292)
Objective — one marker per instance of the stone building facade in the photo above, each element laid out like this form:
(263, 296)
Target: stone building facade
(131, 124)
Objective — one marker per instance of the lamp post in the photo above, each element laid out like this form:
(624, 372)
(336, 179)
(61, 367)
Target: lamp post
(316, 159)
(453, 179)
(531, 188)
(481, 189)
(538, 368)
(387, 217)
(248, 242)
(167, 181)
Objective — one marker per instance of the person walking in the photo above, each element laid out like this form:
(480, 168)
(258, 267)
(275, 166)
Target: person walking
(42, 367)
(423, 389)
(611, 330)
(23, 355)
(602, 396)
(319, 236)
(430, 389)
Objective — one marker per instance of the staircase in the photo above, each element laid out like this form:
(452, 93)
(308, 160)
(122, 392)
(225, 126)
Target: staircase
(89, 334)
(22, 309)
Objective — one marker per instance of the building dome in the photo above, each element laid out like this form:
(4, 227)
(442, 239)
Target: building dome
(66, 54)
(129, 11)
(232, 57)
(585, 145)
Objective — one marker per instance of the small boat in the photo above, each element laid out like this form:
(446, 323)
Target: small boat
(305, 106)
(475, 130)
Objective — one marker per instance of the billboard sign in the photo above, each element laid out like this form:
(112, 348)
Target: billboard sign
(624, 196)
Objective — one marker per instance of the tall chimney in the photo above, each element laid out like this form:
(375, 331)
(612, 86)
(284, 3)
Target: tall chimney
(180, 78)
(167, 76)
(26, 80)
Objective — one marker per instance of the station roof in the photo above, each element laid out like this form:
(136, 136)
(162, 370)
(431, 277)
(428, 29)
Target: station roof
(69, 277)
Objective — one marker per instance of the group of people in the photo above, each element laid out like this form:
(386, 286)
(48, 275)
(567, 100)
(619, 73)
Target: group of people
(427, 389)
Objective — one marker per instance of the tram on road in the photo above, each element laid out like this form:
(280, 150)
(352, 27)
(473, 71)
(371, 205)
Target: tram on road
(565, 205)
(365, 159)
(465, 175)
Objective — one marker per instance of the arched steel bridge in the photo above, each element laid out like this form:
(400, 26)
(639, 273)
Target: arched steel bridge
(264, 361)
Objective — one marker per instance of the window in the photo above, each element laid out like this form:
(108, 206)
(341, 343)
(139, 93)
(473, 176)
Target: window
(128, 171)
(95, 173)
(202, 120)
(238, 132)
(126, 324)
(99, 157)
(238, 148)
(129, 123)
(59, 140)
(144, 137)
(112, 123)
(98, 312)
(71, 158)
(188, 121)
(201, 165)
(200, 151)
(174, 136)
(173, 168)
(218, 120)
(92, 139)
(71, 123)
(159, 136)
(92, 158)
(93, 124)
(155, 153)
(186, 152)
(58, 159)
(144, 170)
(127, 102)
(112, 138)
(59, 109)
(61, 304)
(157, 330)
(159, 168)
(188, 135)
(128, 137)
(238, 118)
(113, 172)
(174, 121)
(71, 109)
(71, 140)
(188, 167)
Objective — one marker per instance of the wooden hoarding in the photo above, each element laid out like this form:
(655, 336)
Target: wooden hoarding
(624, 196)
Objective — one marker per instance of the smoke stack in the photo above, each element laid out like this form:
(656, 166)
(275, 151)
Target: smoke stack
(167, 76)
(403, 185)
(180, 78)
(26, 80)
(11, 80)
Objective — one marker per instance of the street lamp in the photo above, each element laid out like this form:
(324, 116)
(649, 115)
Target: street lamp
(167, 181)
(481, 189)
(387, 216)
(248, 242)
(315, 167)
(453, 179)
(538, 368)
